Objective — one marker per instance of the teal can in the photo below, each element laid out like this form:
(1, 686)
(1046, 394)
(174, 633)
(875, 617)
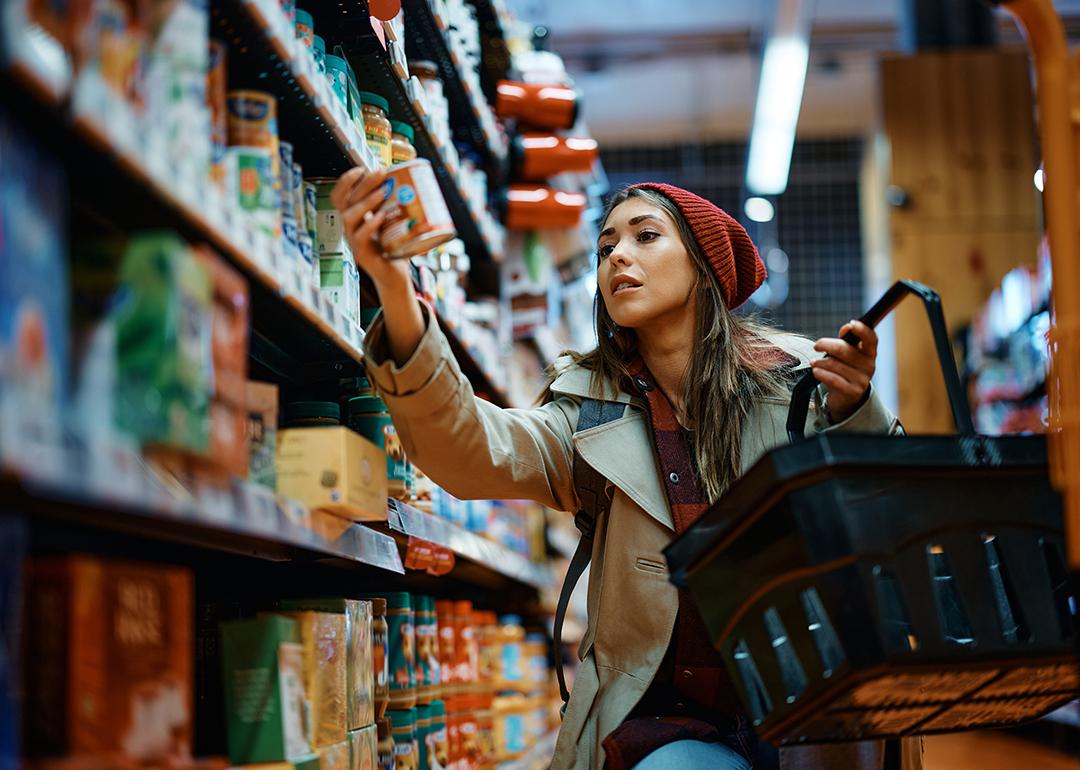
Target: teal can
(318, 50)
(369, 417)
(337, 72)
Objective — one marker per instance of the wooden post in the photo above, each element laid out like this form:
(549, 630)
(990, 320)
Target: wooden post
(961, 132)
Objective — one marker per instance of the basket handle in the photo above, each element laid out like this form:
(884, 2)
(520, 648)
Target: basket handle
(804, 388)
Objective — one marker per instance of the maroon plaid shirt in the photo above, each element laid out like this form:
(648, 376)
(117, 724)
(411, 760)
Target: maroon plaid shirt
(691, 696)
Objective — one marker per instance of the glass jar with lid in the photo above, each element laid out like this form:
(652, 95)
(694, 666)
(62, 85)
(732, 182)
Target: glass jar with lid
(401, 143)
(377, 129)
(309, 414)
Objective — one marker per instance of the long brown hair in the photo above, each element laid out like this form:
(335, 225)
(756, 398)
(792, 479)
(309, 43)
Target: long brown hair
(732, 366)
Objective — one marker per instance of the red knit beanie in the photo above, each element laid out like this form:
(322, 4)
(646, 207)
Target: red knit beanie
(730, 252)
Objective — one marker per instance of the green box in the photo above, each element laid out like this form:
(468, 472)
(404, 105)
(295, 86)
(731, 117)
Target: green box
(263, 665)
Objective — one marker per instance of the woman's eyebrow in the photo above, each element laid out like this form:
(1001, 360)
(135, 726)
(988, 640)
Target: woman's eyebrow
(633, 221)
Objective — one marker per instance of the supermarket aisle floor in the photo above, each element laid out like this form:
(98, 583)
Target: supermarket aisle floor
(992, 751)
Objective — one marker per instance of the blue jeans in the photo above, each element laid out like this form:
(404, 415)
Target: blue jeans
(690, 755)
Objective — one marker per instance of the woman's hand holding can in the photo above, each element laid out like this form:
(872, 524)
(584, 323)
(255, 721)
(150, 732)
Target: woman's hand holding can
(359, 197)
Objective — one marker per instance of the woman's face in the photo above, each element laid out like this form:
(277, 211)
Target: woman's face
(646, 276)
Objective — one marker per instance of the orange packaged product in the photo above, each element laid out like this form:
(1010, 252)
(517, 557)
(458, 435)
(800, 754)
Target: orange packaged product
(229, 447)
(537, 157)
(444, 612)
(541, 105)
(485, 627)
(230, 315)
(465, 649)
(539, 207)
(111, 661)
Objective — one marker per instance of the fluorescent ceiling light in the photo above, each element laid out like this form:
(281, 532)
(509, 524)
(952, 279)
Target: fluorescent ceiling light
(783, 74)
(759, 209)
(779, 97)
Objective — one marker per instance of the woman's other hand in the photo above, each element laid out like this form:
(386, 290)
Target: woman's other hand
(847, 370)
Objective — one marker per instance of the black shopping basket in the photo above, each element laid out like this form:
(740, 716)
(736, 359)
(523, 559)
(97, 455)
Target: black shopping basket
(869, 586)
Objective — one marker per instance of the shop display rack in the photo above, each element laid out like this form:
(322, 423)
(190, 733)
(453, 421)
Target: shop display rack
(374, 71)
(245, 519)
(495, 62)
(538, 757)
(406, 521)
(425, 33)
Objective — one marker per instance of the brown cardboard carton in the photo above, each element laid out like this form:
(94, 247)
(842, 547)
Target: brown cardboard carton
(324, 639)
(333, 469)
(110, 650)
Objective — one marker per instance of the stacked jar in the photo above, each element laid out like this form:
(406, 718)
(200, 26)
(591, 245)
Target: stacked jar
(377, 128)
(369, 417)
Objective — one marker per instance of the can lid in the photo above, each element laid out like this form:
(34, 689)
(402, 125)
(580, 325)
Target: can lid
(378, 606)
(402, 719)
(303, 17)
(400, 127)
(423, 68)
(319, 44)
(399, 600)
(367, 97)
(336, 62)
(306, 410)
(366, 405)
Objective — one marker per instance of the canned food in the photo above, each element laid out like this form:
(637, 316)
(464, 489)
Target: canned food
(337, 72)
(318, 50)
(311, 213)
(250, 178)
(216, 98)
(305, 28)
(340, 281)
(417, 219)
(369, 417)
(329, 229)
(403, 729)
(252, 120)
(288, 212)
(401, 651)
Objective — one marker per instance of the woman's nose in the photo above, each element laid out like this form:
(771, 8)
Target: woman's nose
(620, 255)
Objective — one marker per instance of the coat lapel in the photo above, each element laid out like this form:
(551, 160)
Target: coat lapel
(622, 452)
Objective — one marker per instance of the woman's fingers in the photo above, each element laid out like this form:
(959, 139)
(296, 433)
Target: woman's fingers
(851, 380)
(355, 185)
(357, 214)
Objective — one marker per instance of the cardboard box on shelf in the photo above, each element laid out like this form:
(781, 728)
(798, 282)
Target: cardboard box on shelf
(262, 421)
(324, 640)
(333, 470)
(334, 757)
(359, 674)
(363, 748)
(230, 316)
(110, 658)
(265, 705)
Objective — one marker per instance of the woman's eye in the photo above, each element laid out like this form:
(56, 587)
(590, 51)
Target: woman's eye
(605, 250)
(647, 235)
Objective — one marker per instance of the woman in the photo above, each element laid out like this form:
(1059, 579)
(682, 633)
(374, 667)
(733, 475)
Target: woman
(706, 394)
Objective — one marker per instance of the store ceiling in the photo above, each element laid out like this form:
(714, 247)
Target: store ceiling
(674, 70)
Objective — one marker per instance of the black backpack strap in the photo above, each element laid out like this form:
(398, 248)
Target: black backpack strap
(591, 488)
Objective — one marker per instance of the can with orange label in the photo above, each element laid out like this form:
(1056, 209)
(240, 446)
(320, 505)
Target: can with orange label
(417, 219)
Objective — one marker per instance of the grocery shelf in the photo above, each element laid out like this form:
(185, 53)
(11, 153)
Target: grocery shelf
(536, 758)
(495, 62)
(481, 381)
(244, 519)
(406, 521)
(375, 72)
(264, 54)
(425, 33)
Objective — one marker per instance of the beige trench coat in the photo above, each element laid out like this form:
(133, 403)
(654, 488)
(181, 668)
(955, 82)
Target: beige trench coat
(476, 450)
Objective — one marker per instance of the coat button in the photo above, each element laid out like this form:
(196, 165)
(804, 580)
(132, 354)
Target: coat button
(687, 674)
(642, 385)
(673, 477)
